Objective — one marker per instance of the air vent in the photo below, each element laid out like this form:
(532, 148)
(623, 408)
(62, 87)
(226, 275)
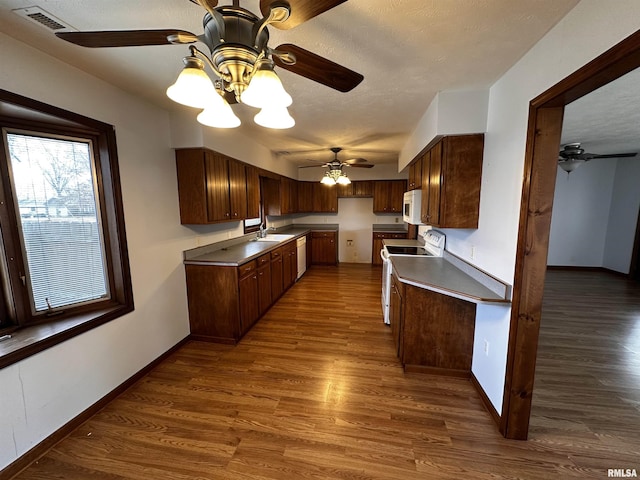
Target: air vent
(43, 18)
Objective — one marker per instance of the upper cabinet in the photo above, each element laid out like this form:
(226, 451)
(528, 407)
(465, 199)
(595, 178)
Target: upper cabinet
(415, 174)
(387, 196)
(212, 188)
(451, 177)
(325, 198)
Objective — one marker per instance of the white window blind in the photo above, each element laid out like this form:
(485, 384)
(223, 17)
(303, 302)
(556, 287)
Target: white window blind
(54, 186)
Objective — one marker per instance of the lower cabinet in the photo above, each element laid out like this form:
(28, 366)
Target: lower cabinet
(225, 302)
(433, 332)
(324, 248)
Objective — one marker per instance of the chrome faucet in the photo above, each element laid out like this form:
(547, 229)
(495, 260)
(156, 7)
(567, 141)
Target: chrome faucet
(263, 231)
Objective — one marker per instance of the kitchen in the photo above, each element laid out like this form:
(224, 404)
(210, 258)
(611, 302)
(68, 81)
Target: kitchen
(156, 240)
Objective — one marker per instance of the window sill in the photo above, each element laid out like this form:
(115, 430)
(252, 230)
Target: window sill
(31, 340)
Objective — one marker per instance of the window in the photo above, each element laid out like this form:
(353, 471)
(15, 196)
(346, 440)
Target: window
(63, 254)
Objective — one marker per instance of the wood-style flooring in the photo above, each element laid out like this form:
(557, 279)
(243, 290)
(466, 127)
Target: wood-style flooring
(314, 391)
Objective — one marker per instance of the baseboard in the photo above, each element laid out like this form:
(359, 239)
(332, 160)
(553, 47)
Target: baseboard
(485, 400)
(446, 372)
(48, 443)
(586, 269)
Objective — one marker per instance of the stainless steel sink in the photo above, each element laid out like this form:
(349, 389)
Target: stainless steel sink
(275, 237)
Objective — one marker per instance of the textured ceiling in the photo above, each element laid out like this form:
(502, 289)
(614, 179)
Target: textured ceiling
(407, 50)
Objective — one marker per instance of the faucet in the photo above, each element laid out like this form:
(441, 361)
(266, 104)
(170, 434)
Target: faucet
(263, 231)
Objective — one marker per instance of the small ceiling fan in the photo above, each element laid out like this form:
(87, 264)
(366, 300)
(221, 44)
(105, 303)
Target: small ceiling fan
(336, 164)
(571, 156)
(237, 40)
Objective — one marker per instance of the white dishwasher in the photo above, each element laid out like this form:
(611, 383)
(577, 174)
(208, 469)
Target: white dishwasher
(301, 245)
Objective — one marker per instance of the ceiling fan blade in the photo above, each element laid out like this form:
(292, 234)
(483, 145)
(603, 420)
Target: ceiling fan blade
(352, 161)
(613, 155)
(361, 165)
(126, 38)
(301, 10)
(319, 69)
(313, 166)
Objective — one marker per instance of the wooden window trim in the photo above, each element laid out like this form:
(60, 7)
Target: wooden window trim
(33, 337)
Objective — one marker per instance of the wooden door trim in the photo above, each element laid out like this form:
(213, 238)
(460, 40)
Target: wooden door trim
(543, 140)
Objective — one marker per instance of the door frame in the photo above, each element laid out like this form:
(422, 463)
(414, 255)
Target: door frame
(541, 156)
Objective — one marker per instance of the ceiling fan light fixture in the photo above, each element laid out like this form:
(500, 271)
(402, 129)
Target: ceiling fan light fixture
(193, 86)
(343, 179)
(218, 114)
(274, 117)
(328, 180)
(570, 165)
(265, 89)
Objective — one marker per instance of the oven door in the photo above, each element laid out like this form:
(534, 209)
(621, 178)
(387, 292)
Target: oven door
(386, 285)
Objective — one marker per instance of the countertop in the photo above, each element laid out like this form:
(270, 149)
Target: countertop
(440, 275)
(239, 251)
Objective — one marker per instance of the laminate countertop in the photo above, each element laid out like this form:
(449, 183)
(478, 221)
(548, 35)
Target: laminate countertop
(441, 275)
(239, 251)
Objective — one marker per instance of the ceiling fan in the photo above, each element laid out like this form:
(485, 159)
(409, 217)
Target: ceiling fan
(335, 174)
(237, 40)
(571, 156)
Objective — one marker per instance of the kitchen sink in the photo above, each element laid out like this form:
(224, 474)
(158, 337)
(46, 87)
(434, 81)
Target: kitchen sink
(275, 237)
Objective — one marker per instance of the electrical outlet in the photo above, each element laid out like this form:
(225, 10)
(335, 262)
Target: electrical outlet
(486, 347)
(349, 243)
(397, 220)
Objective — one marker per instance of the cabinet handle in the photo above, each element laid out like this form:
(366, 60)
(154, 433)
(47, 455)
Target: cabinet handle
(227, 214)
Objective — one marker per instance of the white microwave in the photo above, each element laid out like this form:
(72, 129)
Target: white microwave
(411, 205)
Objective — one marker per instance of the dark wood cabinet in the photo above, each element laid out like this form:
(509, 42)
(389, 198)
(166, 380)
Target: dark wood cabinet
(325, 198)
(376, 246)
(288, 195)
(415, 174)
(253, 192)
(434, 332)
(212, 188)
(280, 196)
(356, 189)
(264, 282)
(324, 248)
(387, 196)
(248, 297)
(305, 197)
(277, 274)
(395, 313)
(290, 264)
(451, 179)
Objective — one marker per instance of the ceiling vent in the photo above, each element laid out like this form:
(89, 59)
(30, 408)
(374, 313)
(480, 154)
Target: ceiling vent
(43, 18)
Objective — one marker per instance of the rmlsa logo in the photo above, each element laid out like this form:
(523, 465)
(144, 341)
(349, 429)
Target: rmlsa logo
(622, 473)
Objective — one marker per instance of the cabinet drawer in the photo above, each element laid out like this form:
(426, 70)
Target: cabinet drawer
(323, 234)
(277, 253)
(389, 235)
(247, 268)
(264, 259)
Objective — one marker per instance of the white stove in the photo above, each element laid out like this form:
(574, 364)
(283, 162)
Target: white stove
(431, 244)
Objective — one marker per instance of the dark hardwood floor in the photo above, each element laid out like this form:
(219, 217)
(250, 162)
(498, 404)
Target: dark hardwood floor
(315, 391)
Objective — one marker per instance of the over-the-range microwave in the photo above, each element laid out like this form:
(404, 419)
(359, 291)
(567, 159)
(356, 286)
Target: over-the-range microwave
(411, 205)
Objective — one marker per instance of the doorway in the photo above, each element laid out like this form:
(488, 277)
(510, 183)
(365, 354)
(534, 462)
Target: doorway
(543, 140)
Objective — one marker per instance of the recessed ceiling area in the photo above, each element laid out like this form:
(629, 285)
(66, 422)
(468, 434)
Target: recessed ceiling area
(407, 50)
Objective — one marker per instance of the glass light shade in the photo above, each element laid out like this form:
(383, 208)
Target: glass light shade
(273, 117)
(193, 87)
(570, 165)
(218, 114)
(265, 89)
(327, 180)
(343, 180)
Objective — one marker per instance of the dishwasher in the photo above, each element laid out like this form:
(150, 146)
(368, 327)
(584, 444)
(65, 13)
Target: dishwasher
(301, 245)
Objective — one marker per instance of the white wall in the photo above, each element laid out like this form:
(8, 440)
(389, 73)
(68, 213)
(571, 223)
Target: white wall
(355, 216)
(588, 30)
(623, 216)
(580, 215)
(40, 394)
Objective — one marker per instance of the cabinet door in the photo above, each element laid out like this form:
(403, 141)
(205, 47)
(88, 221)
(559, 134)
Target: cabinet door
(217, 173)
(288, 266)
(237, 190)
(380, 196)
(435, 183)
(396, 194)
(426, 170)
(305, 197)
(253, 192)
(376, 246)
(264, 287)
(249, 306)
(325, 198)
(277, 285)
(395, 314)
